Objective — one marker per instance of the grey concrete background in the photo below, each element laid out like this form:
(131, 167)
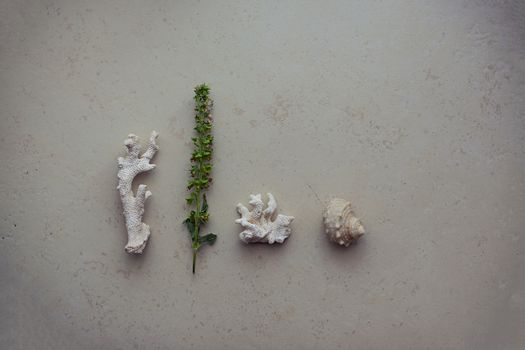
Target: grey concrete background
(413, 110)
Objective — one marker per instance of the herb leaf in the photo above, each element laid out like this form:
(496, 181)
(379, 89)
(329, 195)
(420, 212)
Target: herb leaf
(210, 238)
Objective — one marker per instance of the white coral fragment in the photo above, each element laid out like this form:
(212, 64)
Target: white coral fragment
(341, 226)
(129, 167)
(262, 226)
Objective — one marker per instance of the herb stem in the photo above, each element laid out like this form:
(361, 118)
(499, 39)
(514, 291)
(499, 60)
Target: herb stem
(195, 237)
(194, 260)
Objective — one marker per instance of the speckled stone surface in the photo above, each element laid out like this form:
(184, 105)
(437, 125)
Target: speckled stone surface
(412, 109)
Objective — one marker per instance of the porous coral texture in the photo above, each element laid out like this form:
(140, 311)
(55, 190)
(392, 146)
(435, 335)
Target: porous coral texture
(130, 166)
(262, 226)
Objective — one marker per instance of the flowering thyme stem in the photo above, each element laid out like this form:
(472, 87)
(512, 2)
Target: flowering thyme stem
(200, 171)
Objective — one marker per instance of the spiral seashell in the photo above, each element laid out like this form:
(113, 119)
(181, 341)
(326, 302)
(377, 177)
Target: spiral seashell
(341, 226)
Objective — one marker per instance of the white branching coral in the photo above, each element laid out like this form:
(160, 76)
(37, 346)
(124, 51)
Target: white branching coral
(262, 225)
(341, 226)
(129, 167)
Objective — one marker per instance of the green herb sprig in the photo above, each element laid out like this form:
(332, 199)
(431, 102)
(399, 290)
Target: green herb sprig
(200, 171)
